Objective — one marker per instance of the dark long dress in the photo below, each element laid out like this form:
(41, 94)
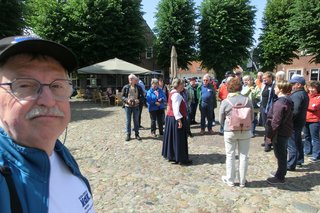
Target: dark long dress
(175, 140)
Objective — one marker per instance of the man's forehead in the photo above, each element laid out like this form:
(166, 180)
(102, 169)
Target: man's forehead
(25, 65)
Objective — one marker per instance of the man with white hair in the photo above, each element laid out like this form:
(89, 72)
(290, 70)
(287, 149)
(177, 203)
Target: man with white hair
(38, 172)
(280, 76)
(207, 103)
(132, 96)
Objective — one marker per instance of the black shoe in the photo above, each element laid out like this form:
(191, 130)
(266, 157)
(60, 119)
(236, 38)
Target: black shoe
(275, 181)
(186, 163)
(190, 135)
(141, 127)
(138, 138)
(263, 144)
(128, 138)
(220, 133)
(291, 169)
(267, 148)
(299, 165)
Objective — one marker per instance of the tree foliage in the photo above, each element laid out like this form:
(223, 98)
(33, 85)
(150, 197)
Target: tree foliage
(276, 42)
(96, 30)
(305, 26)
(225, 34)
(175, 25)
(11, 22)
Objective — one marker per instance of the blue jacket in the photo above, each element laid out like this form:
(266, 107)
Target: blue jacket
(30, 170)
(300, 99)
(199, 94)
(152, 99)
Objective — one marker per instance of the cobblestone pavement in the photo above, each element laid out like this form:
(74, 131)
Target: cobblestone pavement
(133, 177)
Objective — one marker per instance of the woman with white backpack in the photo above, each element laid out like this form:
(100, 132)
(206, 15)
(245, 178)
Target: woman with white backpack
(236, 115)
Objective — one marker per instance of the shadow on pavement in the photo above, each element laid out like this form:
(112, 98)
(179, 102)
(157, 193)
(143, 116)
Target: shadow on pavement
(300, 183)
(86, 110)
(214, 158)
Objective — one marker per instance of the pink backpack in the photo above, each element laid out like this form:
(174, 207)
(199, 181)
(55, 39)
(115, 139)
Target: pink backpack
(240, 116)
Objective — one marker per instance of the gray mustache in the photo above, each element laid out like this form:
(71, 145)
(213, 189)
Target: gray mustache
(39, 111)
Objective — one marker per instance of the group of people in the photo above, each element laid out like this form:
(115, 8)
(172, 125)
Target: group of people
(36, 168)
(285, 109)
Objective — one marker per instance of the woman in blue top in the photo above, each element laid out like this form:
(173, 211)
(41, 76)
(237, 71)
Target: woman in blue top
(156, 104)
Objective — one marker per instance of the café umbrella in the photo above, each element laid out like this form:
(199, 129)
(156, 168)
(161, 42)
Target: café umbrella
(173, 63)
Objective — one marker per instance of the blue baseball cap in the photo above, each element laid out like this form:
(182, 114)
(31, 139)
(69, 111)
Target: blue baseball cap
(14, 45)
(297, 79)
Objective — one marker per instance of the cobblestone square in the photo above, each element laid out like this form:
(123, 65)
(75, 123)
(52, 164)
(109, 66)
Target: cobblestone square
(133, 177)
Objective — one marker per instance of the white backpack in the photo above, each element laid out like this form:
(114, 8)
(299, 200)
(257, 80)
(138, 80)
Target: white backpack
(240, 116)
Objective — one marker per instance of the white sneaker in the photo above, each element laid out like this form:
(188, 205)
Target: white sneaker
(213, 123)
(225, 180)
(243, 185)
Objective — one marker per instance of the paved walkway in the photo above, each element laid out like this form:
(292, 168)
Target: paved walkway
(133, 176)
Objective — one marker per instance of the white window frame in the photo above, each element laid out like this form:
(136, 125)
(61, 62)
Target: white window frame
(315, 70)
(291, 72)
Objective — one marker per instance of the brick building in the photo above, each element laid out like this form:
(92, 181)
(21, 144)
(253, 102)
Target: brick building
(194, 70)
(302, 66)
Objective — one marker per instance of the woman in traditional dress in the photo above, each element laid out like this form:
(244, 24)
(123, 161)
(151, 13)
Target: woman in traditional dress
(175, 140)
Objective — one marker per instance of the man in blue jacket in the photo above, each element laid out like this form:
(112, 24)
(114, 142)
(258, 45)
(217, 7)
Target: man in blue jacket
(300, 99)
(34, 111)
(207, 103)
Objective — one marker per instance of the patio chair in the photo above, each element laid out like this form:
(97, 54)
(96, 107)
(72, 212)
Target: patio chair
(118, 99)
(95, 96)
(104, 99)
(81, 93)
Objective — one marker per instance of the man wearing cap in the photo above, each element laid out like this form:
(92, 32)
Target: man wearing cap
(192, 100)
(300, 99)
(38, 173)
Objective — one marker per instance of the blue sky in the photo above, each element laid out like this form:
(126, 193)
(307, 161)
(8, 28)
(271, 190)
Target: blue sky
(149, 7)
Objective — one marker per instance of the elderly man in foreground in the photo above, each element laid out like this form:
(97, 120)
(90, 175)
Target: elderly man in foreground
(38, 173)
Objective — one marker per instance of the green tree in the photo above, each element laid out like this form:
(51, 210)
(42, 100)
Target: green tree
(175, 26)
(11, 22)
(305, 26)
(225, 34)
(96, 30)
(277, 44)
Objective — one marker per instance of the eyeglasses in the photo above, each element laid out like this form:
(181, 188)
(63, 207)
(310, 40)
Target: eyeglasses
(30, 89)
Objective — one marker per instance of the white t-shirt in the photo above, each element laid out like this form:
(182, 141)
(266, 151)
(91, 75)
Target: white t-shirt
(67, 193)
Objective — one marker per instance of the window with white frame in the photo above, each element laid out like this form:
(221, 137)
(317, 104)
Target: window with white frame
(315, 74)
(149, 53)
(292, 72)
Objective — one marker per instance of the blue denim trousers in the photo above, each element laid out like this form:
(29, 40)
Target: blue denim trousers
(193, 111)
(134, 112)
(312, 142)
(295, 149)
(206, 112)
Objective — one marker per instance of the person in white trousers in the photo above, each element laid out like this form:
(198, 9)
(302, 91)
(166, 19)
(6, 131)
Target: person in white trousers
(233, 138)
